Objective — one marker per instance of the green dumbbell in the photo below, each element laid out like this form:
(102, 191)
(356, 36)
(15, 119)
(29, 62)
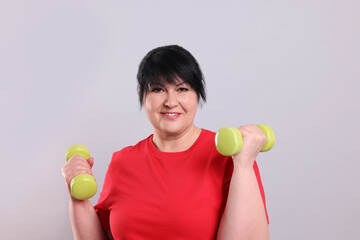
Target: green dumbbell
(82, 186)
(228, 140)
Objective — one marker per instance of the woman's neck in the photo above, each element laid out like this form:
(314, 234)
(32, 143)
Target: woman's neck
(176, 142)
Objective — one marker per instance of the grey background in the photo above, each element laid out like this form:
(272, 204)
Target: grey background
(68, 68)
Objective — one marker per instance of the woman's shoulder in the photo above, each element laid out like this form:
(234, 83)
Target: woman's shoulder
(208, 132)
(207, 135)
(133, 149)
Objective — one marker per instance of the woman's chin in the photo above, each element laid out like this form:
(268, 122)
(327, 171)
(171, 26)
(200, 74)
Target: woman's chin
(172, 130)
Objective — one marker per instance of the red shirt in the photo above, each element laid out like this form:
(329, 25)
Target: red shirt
(149, 194)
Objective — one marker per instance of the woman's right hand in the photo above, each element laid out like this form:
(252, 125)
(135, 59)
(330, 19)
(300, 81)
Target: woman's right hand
(74, 166)
(254, 139)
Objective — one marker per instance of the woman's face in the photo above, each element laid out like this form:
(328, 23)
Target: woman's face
(171, 108)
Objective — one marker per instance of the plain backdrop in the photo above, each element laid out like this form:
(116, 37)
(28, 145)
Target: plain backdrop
(68, 76)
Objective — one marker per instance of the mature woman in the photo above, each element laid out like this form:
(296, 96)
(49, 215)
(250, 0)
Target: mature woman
(174, 184)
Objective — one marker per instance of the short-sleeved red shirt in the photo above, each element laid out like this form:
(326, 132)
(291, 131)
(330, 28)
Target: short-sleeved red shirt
(149, 194)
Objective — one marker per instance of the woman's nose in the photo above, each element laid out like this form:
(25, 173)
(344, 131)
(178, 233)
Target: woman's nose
(171, 100)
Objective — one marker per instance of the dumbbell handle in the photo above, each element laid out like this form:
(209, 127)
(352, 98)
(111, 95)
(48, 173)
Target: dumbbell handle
(82, 186)
(228, 140)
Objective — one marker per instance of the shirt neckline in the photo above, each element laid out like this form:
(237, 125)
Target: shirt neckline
(154, 149)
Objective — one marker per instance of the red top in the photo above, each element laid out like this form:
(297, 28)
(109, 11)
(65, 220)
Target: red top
(149, 194)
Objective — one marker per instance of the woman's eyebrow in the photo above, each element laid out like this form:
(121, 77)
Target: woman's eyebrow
(181, 83)
(150, 85)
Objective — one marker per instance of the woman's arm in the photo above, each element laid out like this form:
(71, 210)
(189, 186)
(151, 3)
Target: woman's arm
(84, 220)
(244, 216)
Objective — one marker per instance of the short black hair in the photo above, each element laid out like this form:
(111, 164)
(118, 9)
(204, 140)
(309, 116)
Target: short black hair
(165, 65)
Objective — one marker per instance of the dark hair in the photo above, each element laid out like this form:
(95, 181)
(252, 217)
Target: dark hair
(165, 65)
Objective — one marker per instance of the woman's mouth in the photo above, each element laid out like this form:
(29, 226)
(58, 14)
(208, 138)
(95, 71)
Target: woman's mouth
(171, 115)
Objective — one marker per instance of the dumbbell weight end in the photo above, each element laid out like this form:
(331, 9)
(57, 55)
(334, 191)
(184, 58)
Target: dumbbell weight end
(83, 186)
(270, 136)
(228, 141)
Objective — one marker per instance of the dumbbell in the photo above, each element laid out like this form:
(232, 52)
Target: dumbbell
(82, 186)
(228, 140)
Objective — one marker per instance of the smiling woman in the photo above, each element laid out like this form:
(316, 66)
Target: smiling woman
(174, 184)
(171, 110)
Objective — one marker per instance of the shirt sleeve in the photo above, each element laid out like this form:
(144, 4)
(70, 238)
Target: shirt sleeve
(226, 185)
(102, 208)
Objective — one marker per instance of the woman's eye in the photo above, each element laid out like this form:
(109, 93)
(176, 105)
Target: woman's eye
(156, 89)
(183, 89)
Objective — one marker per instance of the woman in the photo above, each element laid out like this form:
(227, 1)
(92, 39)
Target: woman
(174, 184)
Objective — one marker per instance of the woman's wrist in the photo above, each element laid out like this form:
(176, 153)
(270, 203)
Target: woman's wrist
(243, 162)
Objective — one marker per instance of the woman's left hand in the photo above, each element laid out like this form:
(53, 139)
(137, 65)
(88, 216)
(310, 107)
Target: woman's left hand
(253, 140)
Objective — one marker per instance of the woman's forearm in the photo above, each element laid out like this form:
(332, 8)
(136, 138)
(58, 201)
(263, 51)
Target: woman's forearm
(84, 221)
(244, 216)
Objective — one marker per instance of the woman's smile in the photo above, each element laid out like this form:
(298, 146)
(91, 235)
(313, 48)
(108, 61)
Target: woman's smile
(170, 115)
